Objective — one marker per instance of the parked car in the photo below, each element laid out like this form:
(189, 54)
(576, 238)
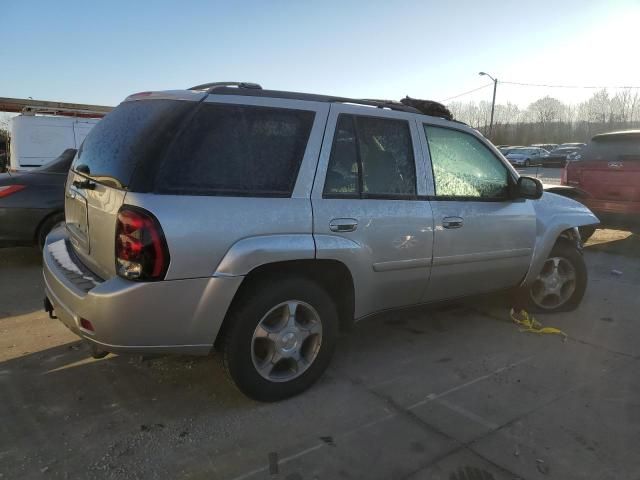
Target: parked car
(558, 157)
(258, 223)
(576, 144)
(526, 156)
(546, 146)
(32, 202)
(606, 178)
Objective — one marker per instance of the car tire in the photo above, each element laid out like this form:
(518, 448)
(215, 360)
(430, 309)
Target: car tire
(264, 309)
(565, 262)
(46, 226)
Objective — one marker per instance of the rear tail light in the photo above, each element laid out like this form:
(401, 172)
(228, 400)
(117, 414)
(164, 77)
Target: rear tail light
(9, 189)
(141, 249)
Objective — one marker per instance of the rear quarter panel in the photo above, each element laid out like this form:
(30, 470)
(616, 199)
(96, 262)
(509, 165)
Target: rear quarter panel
(200, 230)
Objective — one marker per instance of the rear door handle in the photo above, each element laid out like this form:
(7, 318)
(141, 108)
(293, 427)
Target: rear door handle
(452, 222)
(343, 225)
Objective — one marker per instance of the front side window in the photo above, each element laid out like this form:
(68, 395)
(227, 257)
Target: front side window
(464, 167)
(237, 150)
(371, 157)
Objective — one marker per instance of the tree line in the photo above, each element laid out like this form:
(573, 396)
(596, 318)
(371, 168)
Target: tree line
(549, 120)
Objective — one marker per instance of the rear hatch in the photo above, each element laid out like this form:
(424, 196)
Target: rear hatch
(118, 156)
(609, 167)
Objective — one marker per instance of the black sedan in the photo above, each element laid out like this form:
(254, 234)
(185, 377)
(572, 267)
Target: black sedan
(558, 156)
(32, 203)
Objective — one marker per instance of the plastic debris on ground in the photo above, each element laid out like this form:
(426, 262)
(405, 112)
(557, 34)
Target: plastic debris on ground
(531, 325)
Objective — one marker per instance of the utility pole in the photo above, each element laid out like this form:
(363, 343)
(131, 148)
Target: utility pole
(493, 102)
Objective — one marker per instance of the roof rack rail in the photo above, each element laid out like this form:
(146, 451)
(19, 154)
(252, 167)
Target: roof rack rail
(209, 87)
(390, 104)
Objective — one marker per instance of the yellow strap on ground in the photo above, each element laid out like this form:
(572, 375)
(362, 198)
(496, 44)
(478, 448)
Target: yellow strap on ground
(530, 324)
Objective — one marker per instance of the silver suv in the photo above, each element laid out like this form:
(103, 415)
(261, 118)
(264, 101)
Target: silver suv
(259, 223)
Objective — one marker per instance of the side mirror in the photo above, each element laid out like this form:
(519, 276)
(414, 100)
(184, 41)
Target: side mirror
(529, 187)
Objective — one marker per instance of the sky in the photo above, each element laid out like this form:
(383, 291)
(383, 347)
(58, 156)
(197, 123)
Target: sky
(100, 52)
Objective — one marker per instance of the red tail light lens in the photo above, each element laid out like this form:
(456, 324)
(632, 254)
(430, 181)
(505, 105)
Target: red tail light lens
(7, 190)
(141, 249)
(563, 176)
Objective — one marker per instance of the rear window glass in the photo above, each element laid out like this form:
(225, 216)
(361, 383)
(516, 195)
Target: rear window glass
(237, 150)
(134, 132)
(620, 148)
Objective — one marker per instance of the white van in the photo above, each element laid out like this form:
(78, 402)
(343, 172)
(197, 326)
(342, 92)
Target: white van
(38, 139)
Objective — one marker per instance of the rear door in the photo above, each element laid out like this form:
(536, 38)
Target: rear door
(483, 239)
(367, 205)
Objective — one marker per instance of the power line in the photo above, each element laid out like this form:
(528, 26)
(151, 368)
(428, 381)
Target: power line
(466, 93)
(567, 86)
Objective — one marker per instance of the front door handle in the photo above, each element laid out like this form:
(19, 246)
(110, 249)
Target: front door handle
(452, 222)
(343, 225)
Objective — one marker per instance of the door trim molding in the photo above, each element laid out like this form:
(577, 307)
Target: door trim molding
(481, 256)
(402, 264)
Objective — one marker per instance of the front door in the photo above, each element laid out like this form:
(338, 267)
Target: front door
(483, 239)
(367, 212)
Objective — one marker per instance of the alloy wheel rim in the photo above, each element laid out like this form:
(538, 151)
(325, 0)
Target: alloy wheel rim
(555, 284)
(286, 341)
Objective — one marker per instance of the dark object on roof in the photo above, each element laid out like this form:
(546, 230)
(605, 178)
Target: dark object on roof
(428, 107)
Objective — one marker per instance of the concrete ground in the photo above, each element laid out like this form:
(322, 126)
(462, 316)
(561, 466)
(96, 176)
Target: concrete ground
(452, 394)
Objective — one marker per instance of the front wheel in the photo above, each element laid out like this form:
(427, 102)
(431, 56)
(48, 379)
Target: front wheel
(279, 338)
(561, 283)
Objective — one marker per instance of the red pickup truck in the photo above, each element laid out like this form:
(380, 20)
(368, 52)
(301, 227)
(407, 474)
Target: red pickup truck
(606, 177)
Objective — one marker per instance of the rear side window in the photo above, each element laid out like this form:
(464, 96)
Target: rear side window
(371, 157)
(237, 150)
(134, 133)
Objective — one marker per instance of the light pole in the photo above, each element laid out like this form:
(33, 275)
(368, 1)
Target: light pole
(493, 102)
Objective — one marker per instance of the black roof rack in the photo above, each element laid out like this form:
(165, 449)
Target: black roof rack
(255, 90)
(209, 87)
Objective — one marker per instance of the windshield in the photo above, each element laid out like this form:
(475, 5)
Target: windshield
(613, 148)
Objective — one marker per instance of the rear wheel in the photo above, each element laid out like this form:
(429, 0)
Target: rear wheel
(47, 225)
(279, 338)
(561, 283)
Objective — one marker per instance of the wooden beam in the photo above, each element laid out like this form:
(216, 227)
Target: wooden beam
(23, 105)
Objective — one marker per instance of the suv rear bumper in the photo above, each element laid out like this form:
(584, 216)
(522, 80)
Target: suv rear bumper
(175, 316)
(614, 213)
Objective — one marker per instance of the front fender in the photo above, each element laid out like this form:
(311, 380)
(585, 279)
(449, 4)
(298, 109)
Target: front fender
(252, 252)
(554, 215)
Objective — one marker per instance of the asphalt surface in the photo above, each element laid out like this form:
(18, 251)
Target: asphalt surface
(456, 394)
